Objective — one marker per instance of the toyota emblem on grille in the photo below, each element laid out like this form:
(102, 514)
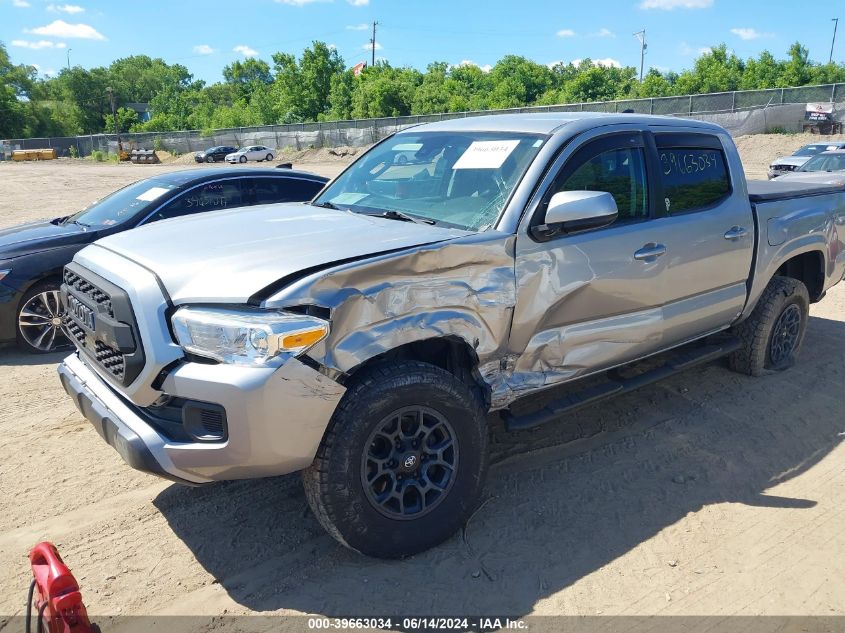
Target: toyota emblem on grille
(410, 461)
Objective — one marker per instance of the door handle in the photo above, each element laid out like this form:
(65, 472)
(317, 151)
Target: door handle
(650, 252)
(736, 233)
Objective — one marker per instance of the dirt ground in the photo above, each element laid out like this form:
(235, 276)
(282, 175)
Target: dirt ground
(708, 494)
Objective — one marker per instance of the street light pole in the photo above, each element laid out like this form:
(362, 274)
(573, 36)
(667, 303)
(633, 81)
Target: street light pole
(68, 58)
(835, 24)
(640, 35)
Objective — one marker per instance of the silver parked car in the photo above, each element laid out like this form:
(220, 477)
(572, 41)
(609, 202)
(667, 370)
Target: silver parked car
(788, 164)
(253, 152)
(827, 167)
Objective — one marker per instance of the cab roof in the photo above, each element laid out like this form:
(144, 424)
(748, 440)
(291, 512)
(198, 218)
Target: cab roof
(548, 122)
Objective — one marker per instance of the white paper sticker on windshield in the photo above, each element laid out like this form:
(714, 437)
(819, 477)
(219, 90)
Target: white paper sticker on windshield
(349, 197)
(152, 193)
(485, 155)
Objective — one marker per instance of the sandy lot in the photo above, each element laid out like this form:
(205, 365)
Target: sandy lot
(708, 494)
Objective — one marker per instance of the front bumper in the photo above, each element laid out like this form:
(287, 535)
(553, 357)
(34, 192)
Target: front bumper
(276, 419)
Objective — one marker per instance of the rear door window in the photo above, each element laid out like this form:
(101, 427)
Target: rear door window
(212, 196)
(694, 172)
(271, 190)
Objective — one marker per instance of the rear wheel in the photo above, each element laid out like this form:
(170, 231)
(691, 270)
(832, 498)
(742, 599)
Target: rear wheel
(40, 320)
(403, 463)
(772, 336)
(269, 157)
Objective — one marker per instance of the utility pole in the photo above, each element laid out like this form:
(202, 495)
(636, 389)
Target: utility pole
(373, 42)
(835, 24)
(640, 35)
(114, 118)
(68, 58)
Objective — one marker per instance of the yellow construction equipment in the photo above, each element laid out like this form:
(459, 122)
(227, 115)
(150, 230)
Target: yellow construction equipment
(35, 154)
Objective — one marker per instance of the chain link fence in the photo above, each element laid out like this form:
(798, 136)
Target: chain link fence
(741, 112)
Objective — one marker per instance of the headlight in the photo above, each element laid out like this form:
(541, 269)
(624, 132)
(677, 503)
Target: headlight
(3, 274)
(258, 338)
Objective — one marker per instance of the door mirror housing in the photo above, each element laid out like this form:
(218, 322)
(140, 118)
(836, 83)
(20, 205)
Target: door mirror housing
(575, 211)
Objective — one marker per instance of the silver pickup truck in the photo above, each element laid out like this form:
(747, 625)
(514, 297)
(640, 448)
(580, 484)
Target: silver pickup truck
(452, 270)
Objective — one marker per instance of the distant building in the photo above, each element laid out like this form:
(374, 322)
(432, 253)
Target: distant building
(143, 110)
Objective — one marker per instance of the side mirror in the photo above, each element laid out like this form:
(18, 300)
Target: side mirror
(575, 211)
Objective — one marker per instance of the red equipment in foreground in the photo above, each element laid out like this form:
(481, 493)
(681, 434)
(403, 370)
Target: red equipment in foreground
(55, 594)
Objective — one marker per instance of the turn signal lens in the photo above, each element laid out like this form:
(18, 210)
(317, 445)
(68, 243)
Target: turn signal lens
(304, 339)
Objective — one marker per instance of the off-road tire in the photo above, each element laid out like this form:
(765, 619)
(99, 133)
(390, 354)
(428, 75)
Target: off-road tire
(756, 332)
(335, 489)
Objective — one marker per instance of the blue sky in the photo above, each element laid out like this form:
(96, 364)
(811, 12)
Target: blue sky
(205, 35)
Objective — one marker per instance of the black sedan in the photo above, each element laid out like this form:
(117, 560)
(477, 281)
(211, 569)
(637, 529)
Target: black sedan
(33, 255)
(214, 154)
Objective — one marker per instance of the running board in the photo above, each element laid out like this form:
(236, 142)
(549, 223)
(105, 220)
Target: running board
(616, 385)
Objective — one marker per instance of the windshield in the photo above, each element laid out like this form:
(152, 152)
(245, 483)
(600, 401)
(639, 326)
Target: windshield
(825, 162)
(812, 150)
(122, 205)
(457, 179)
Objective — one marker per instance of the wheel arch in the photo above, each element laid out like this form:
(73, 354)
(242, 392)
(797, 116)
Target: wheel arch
(450, 352)
(808, 268)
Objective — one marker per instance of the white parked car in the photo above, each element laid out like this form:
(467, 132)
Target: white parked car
(253, 152)
(788, 164)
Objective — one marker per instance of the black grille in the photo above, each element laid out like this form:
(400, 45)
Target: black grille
(86, 288)
(104, 326)
(111, 359)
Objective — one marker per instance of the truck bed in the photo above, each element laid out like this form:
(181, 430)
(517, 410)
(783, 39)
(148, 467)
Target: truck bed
(771, 190)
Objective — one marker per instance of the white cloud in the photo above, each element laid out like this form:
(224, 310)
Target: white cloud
(369, 46)
(357, 27)
(358, 3)
(668, 5)
(245, 50)
(60, 28)
(555, 63)
(607, 62)
(603, 33)
(566, 33)
(21, 4)
(38, 44)
(749, 34)
(686, 49)
(203, 49)
(70, 9)
(486, 68)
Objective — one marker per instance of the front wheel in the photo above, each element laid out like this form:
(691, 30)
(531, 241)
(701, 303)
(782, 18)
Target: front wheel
(402, 466)
(209, 159)
(771, 337)
(242, 159)
(40, 320)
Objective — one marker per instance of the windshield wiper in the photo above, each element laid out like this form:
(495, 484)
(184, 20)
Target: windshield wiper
(327, 205)
(392, 214)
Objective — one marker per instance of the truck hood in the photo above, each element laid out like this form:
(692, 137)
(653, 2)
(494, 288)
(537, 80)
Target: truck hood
(228, 256)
